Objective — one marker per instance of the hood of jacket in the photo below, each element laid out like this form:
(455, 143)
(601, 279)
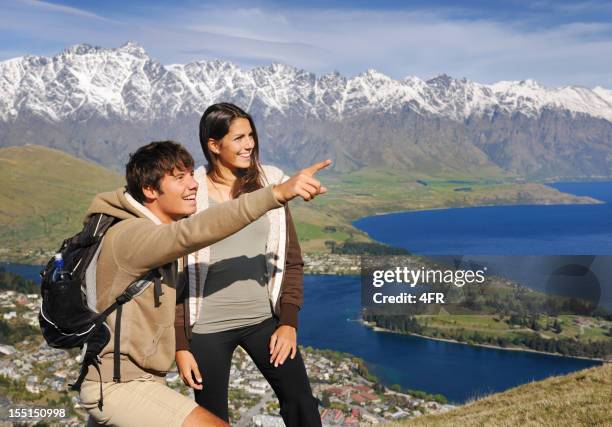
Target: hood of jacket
(119, 204)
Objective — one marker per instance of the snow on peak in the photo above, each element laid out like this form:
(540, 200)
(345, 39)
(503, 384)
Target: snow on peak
(125, 83)
(530, 98)
(441, 80)
(133, 49)
(80, 49)
(604, 94)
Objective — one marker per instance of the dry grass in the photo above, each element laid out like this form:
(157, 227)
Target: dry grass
(583, 398)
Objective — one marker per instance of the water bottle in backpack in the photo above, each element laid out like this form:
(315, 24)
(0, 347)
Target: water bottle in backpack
(59, 272)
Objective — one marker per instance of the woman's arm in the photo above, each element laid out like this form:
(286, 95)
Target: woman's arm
(292, 287)
(283, 342)
(181, 323)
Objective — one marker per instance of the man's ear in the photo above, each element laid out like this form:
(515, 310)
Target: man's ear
(214, 146)
(150, 193)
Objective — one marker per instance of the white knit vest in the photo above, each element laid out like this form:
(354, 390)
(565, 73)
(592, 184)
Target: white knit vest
(198, 262)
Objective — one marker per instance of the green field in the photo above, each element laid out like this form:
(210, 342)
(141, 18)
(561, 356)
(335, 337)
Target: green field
(494, 325)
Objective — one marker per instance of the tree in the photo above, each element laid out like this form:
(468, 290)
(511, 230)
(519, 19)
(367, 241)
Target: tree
(325, 402)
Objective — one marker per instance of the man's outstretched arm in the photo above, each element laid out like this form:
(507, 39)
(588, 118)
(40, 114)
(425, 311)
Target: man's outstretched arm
(140, 246)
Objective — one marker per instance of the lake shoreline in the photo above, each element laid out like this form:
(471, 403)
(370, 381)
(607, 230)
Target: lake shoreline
(378, 214)
(528, 350)
(586, 200)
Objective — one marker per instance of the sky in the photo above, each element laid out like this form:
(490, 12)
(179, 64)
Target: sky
(555, 42)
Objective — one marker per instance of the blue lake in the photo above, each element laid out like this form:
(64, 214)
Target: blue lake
(504, 230)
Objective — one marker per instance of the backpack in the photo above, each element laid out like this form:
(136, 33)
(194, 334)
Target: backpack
(68, 317)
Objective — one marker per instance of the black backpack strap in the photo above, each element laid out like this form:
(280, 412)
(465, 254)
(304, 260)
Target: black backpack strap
(117, 352)
(88, 241)
(130, 292)
(89, 359)
(157, 289)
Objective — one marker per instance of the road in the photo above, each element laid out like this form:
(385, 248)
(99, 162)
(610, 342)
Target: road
(245, 419)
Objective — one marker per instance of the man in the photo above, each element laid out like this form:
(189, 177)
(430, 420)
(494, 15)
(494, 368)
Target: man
(154, 233)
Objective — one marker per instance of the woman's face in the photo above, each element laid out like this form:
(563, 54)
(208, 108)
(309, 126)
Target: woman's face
(234, 150)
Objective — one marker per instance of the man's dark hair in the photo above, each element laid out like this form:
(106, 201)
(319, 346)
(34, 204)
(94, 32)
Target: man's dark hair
(150, 163)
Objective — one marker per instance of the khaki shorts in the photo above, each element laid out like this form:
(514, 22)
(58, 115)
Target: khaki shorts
(140, 402)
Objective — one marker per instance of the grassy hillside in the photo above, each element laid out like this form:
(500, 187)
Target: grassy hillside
(45, 192)
(578, 399)
(43, 197)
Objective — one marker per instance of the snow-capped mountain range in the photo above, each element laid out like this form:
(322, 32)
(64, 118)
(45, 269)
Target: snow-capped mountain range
(102, 103)
(126, 83)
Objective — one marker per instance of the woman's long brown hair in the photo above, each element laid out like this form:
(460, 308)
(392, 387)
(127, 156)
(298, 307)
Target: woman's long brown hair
(215, 123)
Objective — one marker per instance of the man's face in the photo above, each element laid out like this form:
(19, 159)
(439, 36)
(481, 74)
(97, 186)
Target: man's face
(176, 199)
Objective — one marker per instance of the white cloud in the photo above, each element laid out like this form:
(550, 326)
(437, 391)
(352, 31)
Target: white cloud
(46, 6)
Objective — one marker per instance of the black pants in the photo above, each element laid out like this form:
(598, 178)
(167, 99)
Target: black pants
(213, 353)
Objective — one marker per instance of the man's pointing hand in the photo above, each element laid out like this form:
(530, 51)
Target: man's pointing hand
(302, 184)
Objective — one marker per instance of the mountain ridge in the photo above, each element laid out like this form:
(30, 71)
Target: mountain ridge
(102, 103)
(331, 95)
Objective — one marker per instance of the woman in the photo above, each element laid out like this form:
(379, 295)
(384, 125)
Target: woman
(245, 290)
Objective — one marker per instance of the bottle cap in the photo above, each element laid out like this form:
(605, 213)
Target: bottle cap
(58, 257)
